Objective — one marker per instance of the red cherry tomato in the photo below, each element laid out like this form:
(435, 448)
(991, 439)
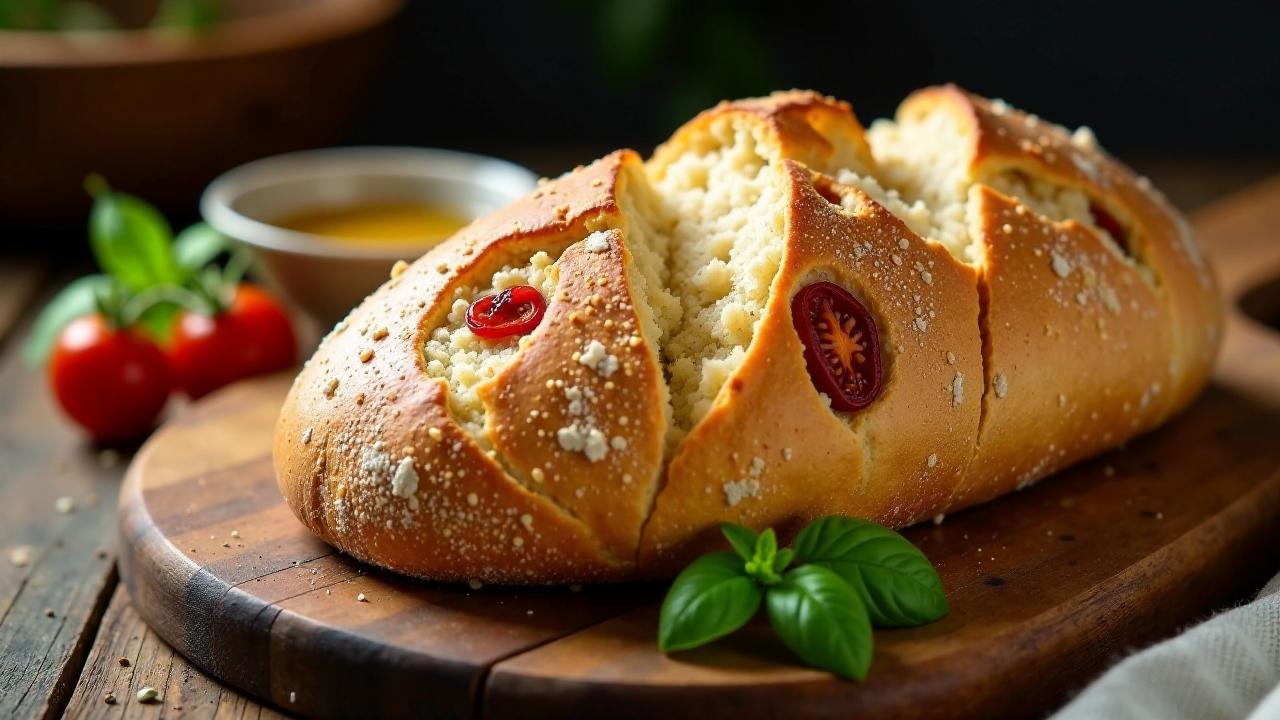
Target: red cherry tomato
(841, 349)
(514, 311)
(251, 336)
(113, 383)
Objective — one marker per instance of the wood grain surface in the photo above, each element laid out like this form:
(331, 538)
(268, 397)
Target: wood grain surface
(56, 571)
(1046, 586)
(127, 656)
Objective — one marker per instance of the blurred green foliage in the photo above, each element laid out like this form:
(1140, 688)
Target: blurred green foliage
(189, 14)
(63, 15)
(718, 45)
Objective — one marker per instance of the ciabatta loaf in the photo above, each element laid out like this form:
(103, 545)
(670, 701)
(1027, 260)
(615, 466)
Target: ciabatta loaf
(780, 315)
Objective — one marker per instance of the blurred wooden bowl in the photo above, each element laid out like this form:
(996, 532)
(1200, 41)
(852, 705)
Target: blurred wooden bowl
(160, 114)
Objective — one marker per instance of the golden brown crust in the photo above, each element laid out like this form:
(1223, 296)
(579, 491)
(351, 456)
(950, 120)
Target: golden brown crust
(1089, 342)
(1058, 344)
(898, 460)
(351, 418)
(1076, 349)
(1160, 239)
(537, 393)
(816, 130)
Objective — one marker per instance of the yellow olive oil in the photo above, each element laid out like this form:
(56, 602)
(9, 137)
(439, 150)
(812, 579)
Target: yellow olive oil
(410, 223)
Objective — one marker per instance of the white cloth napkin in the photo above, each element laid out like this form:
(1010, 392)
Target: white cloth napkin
(1227, 667)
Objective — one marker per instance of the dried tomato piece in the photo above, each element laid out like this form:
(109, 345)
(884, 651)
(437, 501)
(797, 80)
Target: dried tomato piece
(514, 311)
(841, 348)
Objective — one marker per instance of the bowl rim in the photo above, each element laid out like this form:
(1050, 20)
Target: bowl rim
(303, 24)
(216, 202)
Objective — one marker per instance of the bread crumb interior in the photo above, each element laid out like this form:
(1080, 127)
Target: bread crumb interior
(647, 237)
(727, 245)
(464, 360)
(705, 235)
(923, 177)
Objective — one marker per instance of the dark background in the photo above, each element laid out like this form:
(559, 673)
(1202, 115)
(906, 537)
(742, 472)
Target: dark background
(1186, 92)
(1173, 79)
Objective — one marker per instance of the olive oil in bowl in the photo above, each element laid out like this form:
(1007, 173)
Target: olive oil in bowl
(326, 226)
(378, 223)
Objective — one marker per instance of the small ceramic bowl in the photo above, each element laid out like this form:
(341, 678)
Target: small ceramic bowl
(323, 278)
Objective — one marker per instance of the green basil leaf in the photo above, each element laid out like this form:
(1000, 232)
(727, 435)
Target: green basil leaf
(783, 559)
(709, 599)
(822, 620)
(898, 584)
(132, 242)
(198, 245)
(742, 538)
(766, 546)
(78, 298)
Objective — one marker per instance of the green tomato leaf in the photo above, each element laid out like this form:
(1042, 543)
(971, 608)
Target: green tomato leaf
(78, 298)
(709, 599)
(896, 582)
(822, 620)
(198, 245)
(157, 321)
(132, 242)
(742, 538)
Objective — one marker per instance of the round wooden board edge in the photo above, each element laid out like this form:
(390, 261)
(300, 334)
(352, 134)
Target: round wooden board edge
(233, 635)
(974, 688)
(170, 591)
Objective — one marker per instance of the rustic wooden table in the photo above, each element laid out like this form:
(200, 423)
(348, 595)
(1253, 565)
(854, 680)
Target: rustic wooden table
(68, 634)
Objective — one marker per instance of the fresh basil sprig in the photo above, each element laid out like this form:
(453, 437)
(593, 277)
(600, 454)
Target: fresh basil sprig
(850, 575)
(709, 599)
(131, 240)
(895, 581)
(199, 245)
(819, 617)
(148, 273)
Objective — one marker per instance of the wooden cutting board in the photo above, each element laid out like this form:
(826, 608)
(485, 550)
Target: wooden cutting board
(1046, 586)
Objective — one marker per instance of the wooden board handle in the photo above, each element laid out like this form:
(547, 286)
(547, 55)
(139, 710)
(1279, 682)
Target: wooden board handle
(1243, 241)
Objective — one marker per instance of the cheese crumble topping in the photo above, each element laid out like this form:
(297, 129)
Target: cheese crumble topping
(597, 242)
(404, 483)
(597, 357)
(582, 435)
(735, 491)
